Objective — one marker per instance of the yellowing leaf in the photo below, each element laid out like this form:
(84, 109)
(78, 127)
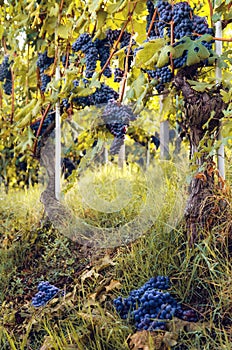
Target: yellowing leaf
(164, 56)
(63, 31)
(114, 284)
(101, 17)
(89, 274)
(200, 86)
(116, 7)
(148, 55)
(104, 263)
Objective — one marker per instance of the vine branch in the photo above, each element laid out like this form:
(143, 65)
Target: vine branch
(12, 96)
(126, 70)
(152, 22)
(40, 127)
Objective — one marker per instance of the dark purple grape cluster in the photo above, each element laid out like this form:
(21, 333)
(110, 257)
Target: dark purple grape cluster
(67, 167)
(200, 24)
(163, 75)
(117, 113)
(165, 16)
(85, 44)
(46, 292)
(65, 103)
(185, 24)
(101, 96)
(47, 121)
(156, 140)
(118, 75)
(5, 75)
(103, 47)
(45, 79)
(182, 19)
(4, 68)
(44, 63)
(117, 118)
(149, 307)
(112, 35)
(7, 86)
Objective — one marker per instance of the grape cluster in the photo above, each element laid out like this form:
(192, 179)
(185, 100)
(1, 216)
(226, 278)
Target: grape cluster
(112, 35)
(4, 68)
(163, 75)
(185, 24)
(67, 167)
(5, 75)
(182, 19)
(7, 86)
(101, 96)
(149, 307)
(44, 62)
(47, 121)
(85, 44)
(118, 75)
(200, 26)
(165, 16)
(117, 118)
(103, 47)
(46, 292)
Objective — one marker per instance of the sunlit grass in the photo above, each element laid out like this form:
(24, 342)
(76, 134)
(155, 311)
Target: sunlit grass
(85, 318)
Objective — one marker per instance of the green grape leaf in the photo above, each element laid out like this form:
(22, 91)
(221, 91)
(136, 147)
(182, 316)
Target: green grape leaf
(148, 56)
(116, 7)
(167, 107)
(101, 18)
(25, 112)
(196, 51)
(226, 96)
(63, 31)
(216, 17)
(200, 86)
(164, 56)
(54, 11)
(94, 5)
(82, 91)
(138, 86)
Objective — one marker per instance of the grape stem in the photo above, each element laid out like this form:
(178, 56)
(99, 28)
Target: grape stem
(126, 70)
(217, 39)
(210, 11)
(130, 13)
(152, 22)
(39, 82)
(57, 46)
(27, 77)
(40, 127)
(12, 97)
(0, 98)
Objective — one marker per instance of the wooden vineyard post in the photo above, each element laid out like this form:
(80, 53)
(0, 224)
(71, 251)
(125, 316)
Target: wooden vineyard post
(221, 150)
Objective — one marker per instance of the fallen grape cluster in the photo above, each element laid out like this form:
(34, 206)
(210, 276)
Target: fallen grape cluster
(46, 292)
(151, 306)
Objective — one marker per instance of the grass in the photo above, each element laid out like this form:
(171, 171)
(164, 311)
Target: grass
(32, 250)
